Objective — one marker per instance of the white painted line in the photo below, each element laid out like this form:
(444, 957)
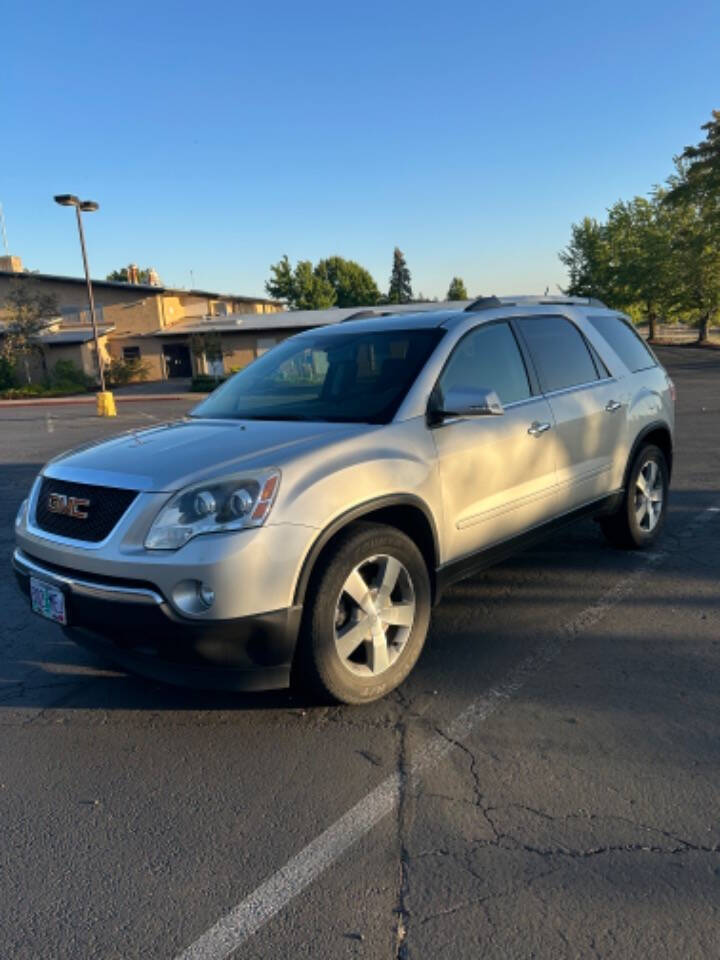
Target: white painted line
(232, 930)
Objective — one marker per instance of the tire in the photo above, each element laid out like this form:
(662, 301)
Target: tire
(348, 592)
(639, 521)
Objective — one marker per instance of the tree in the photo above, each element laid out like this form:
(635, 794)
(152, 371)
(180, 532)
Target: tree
(587, 258)
(280, 286)
(333, 282)
(400, 290)
(310, 291)
(456, 290)
(696, 258)
(27, 314)
(353, 284)
(639, 237)
(123, 275)
(697, 178)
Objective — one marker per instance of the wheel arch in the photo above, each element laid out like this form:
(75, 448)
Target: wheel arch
(658, 433)
(405, 512)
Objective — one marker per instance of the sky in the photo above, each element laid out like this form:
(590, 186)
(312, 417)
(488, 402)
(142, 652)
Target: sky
(217, 137)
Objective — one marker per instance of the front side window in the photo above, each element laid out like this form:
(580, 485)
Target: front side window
(488, 358)
(559, 352)
(625, 341)
(342, 377)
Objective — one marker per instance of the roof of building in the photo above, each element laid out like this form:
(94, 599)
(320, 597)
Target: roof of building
(51, 339)
(296, 319)
(145, 288)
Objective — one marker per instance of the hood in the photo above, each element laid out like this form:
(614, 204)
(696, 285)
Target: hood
(171, 456)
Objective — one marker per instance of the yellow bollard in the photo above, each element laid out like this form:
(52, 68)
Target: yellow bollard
(106, 404)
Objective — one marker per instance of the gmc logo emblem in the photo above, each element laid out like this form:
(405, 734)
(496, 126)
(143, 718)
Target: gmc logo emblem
(68, 506)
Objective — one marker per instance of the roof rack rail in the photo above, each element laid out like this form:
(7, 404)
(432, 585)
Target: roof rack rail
(483, 303)
(488, 303)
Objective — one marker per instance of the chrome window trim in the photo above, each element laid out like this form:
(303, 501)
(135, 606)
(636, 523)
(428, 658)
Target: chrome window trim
(580, 386)
(99, 591)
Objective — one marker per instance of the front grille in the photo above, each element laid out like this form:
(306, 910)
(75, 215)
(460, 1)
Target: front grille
(104, 508)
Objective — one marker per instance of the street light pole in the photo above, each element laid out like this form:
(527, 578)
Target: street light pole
(91, 298)
(70, 200)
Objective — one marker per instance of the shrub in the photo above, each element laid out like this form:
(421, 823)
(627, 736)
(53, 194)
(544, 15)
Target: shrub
(122, 372)
(67, 377)
(7, 374)
(204, 383)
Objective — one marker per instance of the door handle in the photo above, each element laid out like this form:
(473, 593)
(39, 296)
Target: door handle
(536, 428)
(612, 405)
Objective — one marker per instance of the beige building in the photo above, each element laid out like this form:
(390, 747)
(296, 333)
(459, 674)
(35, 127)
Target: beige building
(132, 319)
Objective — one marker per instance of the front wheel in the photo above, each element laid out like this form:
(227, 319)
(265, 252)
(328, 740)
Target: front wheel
(367, 615)
(640, 520)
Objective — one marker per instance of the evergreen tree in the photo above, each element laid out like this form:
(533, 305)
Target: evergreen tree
(400, 287)
(280, 285)
(456, 290)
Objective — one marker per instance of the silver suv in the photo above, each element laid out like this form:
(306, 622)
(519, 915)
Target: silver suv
(303, 519)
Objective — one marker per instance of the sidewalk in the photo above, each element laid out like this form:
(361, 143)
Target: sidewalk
(133, 393)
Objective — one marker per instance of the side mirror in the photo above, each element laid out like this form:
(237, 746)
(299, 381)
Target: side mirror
(465, 402)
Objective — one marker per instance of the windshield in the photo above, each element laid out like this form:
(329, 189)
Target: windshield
(352, 378)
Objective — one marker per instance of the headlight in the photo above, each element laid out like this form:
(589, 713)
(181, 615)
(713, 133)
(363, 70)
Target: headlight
(232, 503)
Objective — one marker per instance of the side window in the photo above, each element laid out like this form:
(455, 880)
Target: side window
(488, 357)
(625, 341)
(560, 353)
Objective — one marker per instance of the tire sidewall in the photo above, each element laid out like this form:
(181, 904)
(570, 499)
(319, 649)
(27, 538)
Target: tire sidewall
(319, 628)
(641, 537)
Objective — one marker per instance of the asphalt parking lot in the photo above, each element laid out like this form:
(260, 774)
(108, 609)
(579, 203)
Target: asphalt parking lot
(545, 784)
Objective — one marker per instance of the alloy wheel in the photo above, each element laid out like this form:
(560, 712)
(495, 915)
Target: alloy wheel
(649, 495)
(374, 615)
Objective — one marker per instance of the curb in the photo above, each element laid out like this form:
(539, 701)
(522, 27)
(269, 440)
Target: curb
(68, 401)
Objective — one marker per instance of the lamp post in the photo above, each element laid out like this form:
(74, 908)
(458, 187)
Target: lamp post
(87, 206)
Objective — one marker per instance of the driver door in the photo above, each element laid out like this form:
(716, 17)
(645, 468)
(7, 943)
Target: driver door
(497, 473)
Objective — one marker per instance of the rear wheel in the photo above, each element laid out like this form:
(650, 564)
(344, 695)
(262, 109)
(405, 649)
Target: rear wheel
(641, 518)
(366, 615)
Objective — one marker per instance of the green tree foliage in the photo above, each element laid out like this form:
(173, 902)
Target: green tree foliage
(659, 257)
(587, 258)
(641, 268)
(400, 290)
(123, 275)
(456, 290)
(311, 292)
(353, 284)
(333, 282)
(697, 178)
(281, 286)
(27, 312)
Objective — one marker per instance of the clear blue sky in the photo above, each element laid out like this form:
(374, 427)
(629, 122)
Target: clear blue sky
(218, 136)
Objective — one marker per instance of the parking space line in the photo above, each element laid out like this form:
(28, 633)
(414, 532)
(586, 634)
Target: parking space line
(245, 919)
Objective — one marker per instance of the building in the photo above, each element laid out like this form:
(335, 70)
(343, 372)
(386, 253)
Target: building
(174, 333)
(243, 337)
(132, 319)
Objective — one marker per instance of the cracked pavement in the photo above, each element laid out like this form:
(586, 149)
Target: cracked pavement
(579, 819)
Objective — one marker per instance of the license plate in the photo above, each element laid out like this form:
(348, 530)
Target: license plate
(48, 601)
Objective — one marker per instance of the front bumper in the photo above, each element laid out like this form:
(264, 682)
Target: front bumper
(131, 623)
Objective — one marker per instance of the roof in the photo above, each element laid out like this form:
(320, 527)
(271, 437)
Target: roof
(301, 319)
(71, 336)
(145, 288)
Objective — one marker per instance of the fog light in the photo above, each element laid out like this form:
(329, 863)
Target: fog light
(193, 597)
(207, 596)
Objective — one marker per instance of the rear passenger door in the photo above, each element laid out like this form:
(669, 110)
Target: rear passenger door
(497, 472)
(587, 405)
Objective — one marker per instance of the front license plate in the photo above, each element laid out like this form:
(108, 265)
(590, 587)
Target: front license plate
(48, 601)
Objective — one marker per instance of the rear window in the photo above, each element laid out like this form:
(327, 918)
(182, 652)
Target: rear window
(626, 343)
(559, 351)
